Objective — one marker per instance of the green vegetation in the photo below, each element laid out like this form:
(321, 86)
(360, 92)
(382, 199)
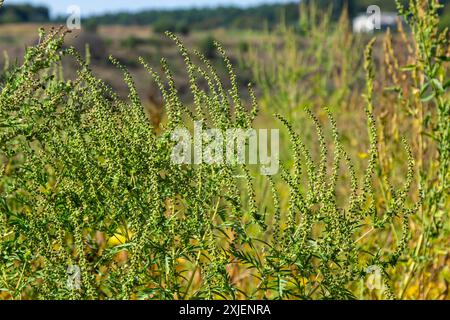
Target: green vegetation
(410, 98)
(175, 221)
(208, 47)
(86, 177)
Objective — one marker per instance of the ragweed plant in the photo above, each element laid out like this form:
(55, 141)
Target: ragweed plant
(416, 89)
(408, 97)
(430, 67)
(87, 183)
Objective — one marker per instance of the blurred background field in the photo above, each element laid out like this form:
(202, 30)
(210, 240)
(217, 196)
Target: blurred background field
(296, 55)
(129, 35)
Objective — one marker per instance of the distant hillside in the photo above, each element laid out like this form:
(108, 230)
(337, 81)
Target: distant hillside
(183, 20)
(250, 18)
(206, 18)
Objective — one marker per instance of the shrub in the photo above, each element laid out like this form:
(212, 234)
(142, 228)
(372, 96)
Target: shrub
(163, 25)
(182, 28)
(90, 25)
(208, 48)
(131, 42)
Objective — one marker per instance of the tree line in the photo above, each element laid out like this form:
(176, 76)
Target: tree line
(24, 13)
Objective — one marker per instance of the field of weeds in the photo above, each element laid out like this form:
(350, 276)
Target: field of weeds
(94, 206)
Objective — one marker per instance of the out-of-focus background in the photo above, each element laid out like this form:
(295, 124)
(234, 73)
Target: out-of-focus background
(136, 28)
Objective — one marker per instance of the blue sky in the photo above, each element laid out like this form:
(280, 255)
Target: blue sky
(99, 6)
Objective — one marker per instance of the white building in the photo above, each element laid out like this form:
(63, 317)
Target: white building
(369, 23)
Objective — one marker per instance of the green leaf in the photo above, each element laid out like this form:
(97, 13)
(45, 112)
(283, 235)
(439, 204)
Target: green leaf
(429, 97)
(409, 67)
(444, 58)
(424, 89)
